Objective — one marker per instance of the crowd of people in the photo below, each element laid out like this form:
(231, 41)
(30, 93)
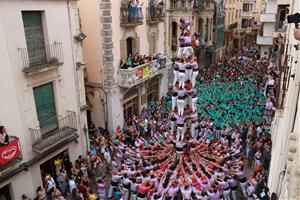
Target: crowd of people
(133, 61)
(206, 139)
(196, 142)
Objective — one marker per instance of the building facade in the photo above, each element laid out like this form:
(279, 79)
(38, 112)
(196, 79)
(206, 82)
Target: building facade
(268, 21)
(43, 101)
(219, 19)
(284, 176)
(234, 36)
(116, 31)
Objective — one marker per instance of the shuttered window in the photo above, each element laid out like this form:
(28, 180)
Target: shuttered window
(45, 106)
(34, 34)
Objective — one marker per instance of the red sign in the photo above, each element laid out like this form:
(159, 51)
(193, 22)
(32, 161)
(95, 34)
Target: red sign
(9, 152)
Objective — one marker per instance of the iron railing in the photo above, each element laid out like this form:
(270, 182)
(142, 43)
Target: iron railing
(155, 14)
(131, 16)
(39, 58)
(54, 133)
(181, 5)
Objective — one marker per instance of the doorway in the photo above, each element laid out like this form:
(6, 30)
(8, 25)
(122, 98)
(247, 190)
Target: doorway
(5, 192)
(129, 45)
(174, 36)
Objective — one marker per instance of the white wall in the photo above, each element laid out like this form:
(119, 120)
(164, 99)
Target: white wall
(271, 6)
(57, 23)
(268, 29)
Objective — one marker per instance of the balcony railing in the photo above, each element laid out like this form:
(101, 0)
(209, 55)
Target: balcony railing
(181, 5)
(131, 16)
(10, 154)
(41, 58)
(134, 76)
(55, 133)
(155, 14)
(231, 27)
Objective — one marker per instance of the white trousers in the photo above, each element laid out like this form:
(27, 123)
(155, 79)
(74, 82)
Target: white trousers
(193, 128)
(233, 194)
(188, 74)
(243, 187)
(110, 191)
(180, 106)
(188, 51)
(194, 76)
(175, 72)
(173, 124)
(180, 52)
(194, 103)
(180, 133)
(226, 194)
(133, 196)
(174, 102)
(181, 78)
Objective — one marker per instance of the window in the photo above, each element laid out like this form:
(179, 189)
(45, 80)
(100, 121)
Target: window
(174, 36)
(34, 34)
(45, 106)
(246, 7)
(236, 14)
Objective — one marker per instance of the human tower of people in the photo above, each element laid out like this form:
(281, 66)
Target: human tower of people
(178, 155)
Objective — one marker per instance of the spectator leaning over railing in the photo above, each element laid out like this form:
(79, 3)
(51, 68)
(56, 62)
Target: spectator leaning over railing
(4, 140)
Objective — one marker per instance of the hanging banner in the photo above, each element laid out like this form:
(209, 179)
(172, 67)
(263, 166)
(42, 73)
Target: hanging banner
(146, 72)
(9, 152)
(140, 73)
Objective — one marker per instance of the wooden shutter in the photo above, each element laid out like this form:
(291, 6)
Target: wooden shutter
(123, 49)
(34, 34)
(45, 105)
(137, 44)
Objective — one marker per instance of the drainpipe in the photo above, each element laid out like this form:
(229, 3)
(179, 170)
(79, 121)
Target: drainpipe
(77, 82)
(282, 175)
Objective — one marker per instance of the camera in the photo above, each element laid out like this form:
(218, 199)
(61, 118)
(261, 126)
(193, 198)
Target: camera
(295, 18)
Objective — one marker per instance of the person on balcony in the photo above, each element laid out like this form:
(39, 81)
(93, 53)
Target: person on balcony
(132, 11)
(152, 10)
(4, 140)
(139, 7)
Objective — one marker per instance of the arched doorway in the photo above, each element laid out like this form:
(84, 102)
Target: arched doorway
(130, 46)
(200, 26)
(153, 89)
(174, 36)
(130, 103)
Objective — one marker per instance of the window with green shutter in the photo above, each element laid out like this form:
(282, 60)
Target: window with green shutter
(45, 106)
(34, 34)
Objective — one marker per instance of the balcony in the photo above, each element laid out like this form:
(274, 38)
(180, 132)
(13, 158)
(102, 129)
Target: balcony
(131, 16)
(183, 5)
(48, 136)
(134, 76)
(10, 154)
(267, 17)
(263, 40)
(247, 14)
(39, 59)
(155, 15)
(231, 27)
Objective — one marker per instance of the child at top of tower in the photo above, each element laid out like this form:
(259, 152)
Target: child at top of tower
(185, 26)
